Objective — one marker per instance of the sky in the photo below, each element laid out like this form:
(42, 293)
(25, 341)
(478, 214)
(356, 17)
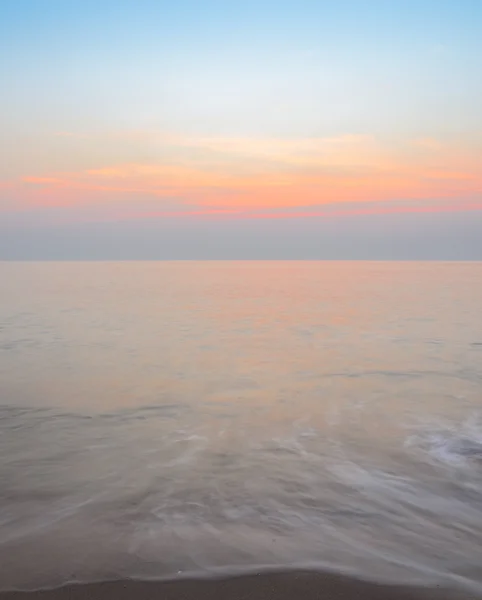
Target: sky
(253, 129)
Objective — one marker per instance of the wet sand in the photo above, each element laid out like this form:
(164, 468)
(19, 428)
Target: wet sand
(279, 586)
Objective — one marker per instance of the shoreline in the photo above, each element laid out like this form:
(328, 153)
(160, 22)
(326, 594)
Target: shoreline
(285, 585)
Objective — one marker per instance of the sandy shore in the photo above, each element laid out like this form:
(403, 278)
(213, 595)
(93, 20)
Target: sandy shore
(279, 586)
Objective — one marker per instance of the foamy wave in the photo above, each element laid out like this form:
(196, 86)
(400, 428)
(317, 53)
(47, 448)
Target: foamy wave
(451, 445)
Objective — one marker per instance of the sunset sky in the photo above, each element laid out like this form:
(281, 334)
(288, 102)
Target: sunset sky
(240, 129)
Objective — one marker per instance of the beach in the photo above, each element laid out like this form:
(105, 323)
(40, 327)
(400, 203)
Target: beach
(240, 300)
(298, 585)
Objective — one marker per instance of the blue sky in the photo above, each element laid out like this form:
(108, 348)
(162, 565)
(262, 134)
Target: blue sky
(128, 108)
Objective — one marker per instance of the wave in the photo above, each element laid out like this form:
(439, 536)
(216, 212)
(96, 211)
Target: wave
(117, 493)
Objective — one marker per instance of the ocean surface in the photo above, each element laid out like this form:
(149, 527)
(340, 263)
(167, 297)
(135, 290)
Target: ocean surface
(177, 419)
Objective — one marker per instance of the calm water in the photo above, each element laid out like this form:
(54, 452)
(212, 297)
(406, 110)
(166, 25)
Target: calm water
(167, 419)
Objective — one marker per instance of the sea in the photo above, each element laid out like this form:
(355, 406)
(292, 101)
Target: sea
(171, 420)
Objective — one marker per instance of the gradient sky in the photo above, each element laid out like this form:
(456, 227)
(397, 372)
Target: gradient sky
(250, 129)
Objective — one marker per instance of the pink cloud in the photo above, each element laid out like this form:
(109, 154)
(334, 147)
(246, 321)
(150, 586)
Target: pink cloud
(367, 209)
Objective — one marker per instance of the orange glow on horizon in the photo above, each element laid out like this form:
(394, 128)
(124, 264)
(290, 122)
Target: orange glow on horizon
(266, 174)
